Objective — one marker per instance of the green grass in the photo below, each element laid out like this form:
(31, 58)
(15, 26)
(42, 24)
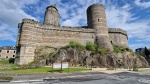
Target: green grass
(14, 66)
(4, 64)
(42, 70)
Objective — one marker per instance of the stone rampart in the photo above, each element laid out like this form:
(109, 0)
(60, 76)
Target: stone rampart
(118, 37)
(117, 30)
(32, 34)
(36, 24)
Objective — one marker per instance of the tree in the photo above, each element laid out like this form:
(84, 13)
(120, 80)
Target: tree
(147, 52)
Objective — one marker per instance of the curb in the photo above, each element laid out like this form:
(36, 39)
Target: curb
(20, 81)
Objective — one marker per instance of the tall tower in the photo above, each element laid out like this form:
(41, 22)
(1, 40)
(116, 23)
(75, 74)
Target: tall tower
(52, 16)
(96, 19)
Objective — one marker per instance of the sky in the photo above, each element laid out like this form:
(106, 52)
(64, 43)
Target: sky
(130, 15)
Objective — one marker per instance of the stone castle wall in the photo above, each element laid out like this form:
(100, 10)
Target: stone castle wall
(96, 18)
(118, 36)
(33, 34)
(52, 16)
(42, 35)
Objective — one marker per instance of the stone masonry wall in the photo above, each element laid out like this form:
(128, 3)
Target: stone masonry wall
(96, 18)
(118, 36)
(33, 34)
(53, 36)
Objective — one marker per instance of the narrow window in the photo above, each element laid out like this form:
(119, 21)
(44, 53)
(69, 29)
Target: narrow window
(14, 51)
(13, 55)
(7, 51)
(6, 57)
(98, 20)
(111, 42)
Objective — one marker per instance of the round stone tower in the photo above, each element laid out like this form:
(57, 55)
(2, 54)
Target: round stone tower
(52, 16)
(96, 19)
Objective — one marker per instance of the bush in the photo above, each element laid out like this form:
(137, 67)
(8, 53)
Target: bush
(74, 44)
(65, 47)
(101, 50)
(120, 49)
(129, 50)
(135, 67)
(11, 60)
(90, 46)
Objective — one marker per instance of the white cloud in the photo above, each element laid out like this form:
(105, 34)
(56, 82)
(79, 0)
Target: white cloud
(125, 19)
(7, 34)
(138, 45)
(142, 4)
(136, 28)
(11, 14)
(73, 13)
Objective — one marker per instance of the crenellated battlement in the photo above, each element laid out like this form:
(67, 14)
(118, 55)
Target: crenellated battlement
(117, 30)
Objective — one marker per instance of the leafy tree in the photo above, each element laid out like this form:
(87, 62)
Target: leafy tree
(147, 52)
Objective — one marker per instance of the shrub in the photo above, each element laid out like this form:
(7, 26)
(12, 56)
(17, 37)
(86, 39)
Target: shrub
(101, 50)
(118, 49)
(135, 67)
(128, 49)
(11, 60)
(90, 46)
(74, 44)
(65, 47)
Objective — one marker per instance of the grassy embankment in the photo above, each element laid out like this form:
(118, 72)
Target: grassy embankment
(42, 70)
(13, 68)
(6, 67)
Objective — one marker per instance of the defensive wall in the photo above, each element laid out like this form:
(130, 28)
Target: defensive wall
(38, 34)
(32, 34)
(118, 36)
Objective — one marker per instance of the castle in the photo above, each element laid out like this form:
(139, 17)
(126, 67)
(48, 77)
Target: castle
(33, 34)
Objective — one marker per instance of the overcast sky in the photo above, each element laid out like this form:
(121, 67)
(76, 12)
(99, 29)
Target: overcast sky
(130, 15)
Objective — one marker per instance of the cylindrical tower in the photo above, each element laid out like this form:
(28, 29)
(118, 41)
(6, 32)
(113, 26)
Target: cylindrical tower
(52, 16)
(96, 19)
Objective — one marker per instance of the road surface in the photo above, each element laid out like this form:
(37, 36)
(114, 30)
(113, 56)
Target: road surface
(90, 78)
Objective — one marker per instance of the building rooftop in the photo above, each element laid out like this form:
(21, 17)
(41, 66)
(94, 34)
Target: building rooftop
(8, 48)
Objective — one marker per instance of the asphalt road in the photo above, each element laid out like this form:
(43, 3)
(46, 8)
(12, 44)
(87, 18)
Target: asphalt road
(93, 78)
(118, 78)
